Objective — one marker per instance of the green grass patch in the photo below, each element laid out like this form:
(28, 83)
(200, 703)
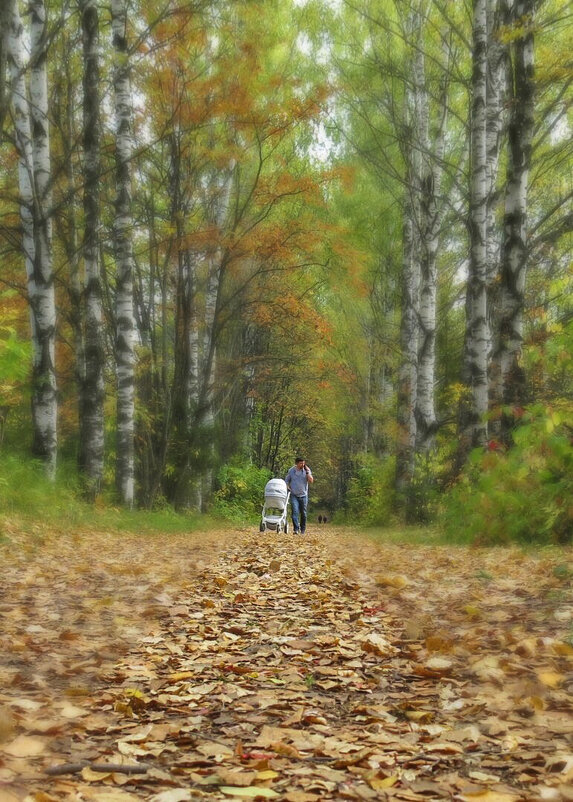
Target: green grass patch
(407, 535)
(26, 495)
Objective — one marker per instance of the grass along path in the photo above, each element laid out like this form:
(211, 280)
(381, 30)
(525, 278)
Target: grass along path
(229, 666)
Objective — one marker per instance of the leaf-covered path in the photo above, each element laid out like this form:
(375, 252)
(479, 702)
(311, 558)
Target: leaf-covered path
(328, 667)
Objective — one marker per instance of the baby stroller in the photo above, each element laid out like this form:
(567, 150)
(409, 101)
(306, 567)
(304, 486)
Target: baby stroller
(274, 516)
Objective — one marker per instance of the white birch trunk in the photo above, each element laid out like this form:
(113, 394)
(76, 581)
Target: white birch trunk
(217, 211)
(6, 14)
(431, 157)
(476, 346)
(408, 369)
(125, 321)
(509, 387)
(41, 286)
(495, 118)
(92, 382)
(496, 123)
(410, 289)
(23, 134)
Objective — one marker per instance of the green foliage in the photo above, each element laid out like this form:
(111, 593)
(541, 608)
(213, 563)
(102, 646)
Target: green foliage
(26, 494)
(523, 494)
(241, 492)
(370, 495)
(15, 359)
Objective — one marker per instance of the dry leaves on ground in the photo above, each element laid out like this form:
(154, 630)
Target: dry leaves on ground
(241, 666)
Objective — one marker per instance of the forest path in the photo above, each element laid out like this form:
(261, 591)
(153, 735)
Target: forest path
(232, 665)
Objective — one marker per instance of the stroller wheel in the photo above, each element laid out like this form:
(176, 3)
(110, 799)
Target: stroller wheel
(261, 527)
(286, 529)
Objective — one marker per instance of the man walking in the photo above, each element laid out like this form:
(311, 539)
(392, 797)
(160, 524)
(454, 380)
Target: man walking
(298, 479)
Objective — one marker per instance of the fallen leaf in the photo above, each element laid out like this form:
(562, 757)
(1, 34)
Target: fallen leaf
(173, 795)
(25, 746)
(378, 644)
(249, 793)
(488, 795)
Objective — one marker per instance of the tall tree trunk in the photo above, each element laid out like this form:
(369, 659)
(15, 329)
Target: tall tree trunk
(510, 378)
(91, 451)
(495, 123)
(42, 299)
(431, 156)
(408, 370)
(218, 208)
(125, 321)
(23, 136)
(6, 14)
(473, 422)
(410, 289)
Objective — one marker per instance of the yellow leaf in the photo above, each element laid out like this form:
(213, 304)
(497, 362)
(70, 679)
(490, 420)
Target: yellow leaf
(25, 746)
(387, 782)
(563, 648)
(179, 675)
(488, 796)
(420, 716)
(267, 775)
(393, 581)
(551, 679)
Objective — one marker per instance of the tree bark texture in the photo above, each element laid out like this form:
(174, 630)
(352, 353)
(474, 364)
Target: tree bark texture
(509, 377)
(125, 321)
(91, 450)
(41, 289)
(476, 346)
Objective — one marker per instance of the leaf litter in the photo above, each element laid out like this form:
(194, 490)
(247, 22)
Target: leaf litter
(243, 666)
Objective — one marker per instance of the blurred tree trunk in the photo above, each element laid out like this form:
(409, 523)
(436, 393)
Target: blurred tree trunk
(408, 370)
(473, 424)
(34, 139)
(23, 138)
(91, 446)
(509, 384)
(6, 14)
(431, 144)
(410, 289)
(125, 321)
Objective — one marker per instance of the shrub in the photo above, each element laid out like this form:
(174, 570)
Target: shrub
(523, 494)
(370, 495)
(241, 492)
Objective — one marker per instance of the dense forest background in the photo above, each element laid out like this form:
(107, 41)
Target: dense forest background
(231, 231)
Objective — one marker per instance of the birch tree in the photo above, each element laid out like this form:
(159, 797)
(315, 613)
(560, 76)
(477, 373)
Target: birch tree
(473, 424)
(431, 146)
(33, 143)
(509, 377)
(91, 447)
(23, 139)
(6, 13)
(408, 369)
(124, 312)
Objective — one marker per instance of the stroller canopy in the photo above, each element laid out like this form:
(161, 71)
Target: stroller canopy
(276, 493)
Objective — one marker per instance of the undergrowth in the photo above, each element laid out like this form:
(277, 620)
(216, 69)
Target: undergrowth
(27, 496)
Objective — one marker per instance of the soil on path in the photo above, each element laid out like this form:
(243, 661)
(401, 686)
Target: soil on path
(232, 665)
